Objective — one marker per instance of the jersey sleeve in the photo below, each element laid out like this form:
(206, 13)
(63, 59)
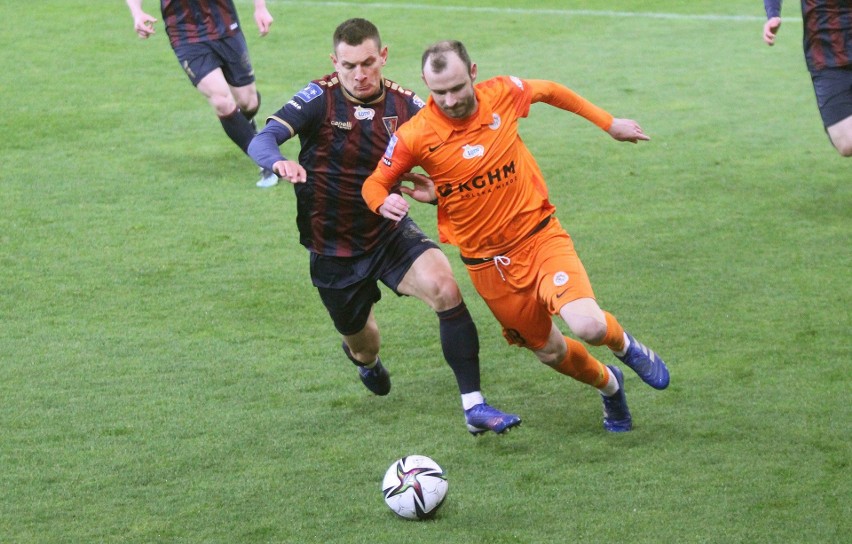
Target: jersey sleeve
(564, 98)
(305, 110)
(397, 160)
(300, 112)
(263, 148)
(772, 7)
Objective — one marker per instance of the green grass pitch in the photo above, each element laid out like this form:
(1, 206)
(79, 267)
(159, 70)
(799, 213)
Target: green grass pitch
(168, 374)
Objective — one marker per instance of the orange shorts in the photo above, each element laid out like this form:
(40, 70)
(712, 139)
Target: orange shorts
(528, 285)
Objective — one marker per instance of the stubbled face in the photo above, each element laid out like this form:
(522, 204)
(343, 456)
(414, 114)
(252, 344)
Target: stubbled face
(360, 67)
(452, 88)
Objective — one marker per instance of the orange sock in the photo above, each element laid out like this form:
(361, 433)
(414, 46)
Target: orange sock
(580, 365)
(614, 337)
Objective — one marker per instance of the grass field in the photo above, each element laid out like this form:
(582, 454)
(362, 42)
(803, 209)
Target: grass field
(168, 374)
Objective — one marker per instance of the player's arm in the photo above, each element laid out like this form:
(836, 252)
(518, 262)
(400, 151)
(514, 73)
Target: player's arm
(143, 23)
(262, 17)
(265, 151)
(560, 96)
(773, 20)
(377, 188)
(301, 112)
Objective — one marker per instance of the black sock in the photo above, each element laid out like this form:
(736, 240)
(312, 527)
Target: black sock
(460, 344)
(238, 129)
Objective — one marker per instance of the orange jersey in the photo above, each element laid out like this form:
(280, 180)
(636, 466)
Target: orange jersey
(491, 193)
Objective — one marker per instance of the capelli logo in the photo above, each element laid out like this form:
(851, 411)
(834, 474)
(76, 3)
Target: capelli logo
(473, 151)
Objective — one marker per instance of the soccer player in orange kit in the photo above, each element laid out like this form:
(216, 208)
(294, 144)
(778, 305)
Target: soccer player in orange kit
(493, 204)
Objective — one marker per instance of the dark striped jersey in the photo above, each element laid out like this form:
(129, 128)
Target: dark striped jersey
(827, 36)
(342, 140)
(194, 21)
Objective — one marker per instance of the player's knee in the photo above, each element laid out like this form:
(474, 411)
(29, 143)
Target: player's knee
(840, 135)
(224, 105)
(844, 148)
(590, 331)
(552, 354)
(444, 293)
(249, 105)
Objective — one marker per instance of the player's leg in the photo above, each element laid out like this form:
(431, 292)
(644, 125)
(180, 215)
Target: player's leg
(527, 323)
(429, 277)
(231, 91)
(565, 289)
(569, 357)
(362, 348)
(203, 66)
(218, 94)
(247, 99)
(349, 300)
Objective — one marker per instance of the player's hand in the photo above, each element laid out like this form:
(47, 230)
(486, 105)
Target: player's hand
(770, 29)
(290, 171)
(627, 130)
(143, 24)
(422, 189)
(395, 207)
(263, 19)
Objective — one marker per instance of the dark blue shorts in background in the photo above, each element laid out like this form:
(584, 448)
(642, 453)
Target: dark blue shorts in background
(833, 88)
(230, 54)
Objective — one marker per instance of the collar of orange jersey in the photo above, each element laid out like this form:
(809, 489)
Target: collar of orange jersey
(444, 126)
(378, 97)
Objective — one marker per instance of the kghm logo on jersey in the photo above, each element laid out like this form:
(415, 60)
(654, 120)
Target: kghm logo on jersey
(499, 178)
(364, 114)
(473, 151)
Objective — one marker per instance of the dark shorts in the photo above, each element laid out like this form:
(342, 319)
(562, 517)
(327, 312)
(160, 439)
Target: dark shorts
(833, 88)
(230, 54)
(348, 286)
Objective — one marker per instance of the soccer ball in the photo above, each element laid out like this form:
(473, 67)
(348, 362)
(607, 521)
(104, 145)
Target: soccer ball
(414, 487)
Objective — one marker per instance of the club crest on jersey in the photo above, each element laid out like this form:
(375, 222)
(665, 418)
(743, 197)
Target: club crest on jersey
(495, 123)
(310, 92)
(560, 279)
(390, 124)
(364, 114)
(473, 151)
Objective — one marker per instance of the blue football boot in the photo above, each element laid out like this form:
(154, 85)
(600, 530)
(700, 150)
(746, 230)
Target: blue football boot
(482, 418)
(376, 379)
(646, 364)
(617, 417)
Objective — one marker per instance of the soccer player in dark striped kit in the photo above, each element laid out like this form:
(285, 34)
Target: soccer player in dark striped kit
(210, 46)
(827, 42)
